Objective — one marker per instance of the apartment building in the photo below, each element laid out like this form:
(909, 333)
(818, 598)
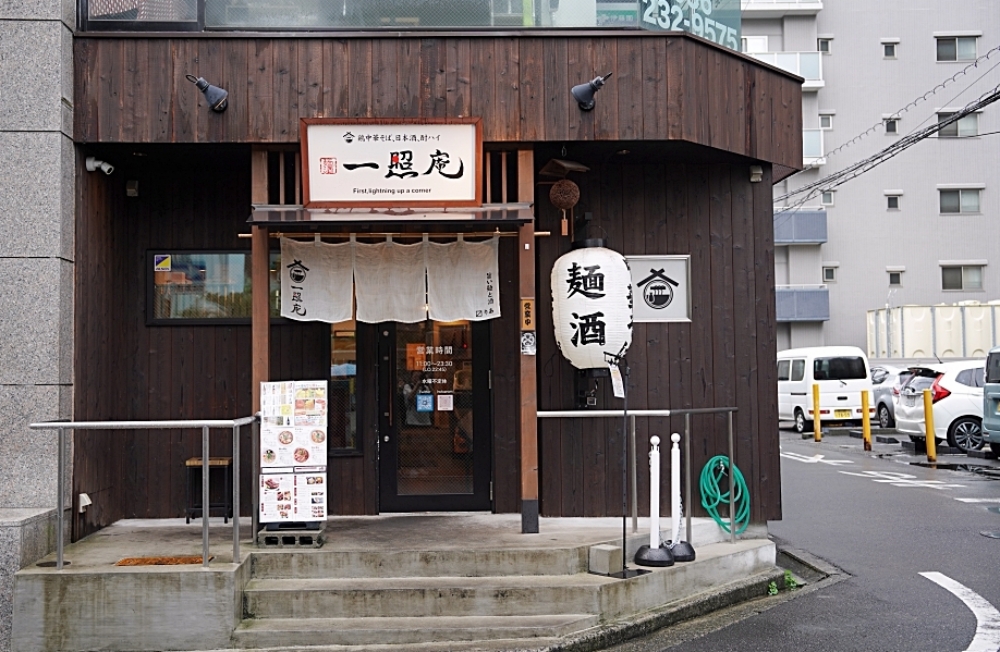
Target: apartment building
(918, 229)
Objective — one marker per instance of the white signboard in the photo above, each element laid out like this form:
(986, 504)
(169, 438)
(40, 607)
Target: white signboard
(391, 163)
(293, 451)
(662, 288)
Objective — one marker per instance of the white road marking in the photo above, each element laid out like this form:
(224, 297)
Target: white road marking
(902, 480)
(978, 500)
(987, 638)
(814, 459)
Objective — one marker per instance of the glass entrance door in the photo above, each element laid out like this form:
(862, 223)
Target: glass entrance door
(435, 429)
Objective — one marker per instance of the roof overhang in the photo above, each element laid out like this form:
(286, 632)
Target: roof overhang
(288, 216)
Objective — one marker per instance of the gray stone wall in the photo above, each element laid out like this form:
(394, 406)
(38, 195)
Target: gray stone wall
(37, 169)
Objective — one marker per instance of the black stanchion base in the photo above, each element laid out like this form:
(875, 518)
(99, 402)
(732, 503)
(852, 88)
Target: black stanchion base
(628, 573)
(682, 550)
(647, 556)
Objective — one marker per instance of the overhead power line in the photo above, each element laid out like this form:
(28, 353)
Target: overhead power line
(841, 177)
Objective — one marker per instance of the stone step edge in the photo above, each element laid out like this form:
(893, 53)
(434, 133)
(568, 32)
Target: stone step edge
(402, 622)
(355, 584)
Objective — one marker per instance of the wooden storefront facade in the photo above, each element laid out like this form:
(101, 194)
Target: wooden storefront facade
(668, 146)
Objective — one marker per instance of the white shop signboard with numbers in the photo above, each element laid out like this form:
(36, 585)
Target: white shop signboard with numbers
(293, 451)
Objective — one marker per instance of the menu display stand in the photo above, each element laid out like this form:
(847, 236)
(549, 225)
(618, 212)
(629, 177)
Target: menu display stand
(292, 481)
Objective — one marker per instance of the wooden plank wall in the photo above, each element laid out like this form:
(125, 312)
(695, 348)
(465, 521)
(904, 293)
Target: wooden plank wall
(666, 86)
(721, 358)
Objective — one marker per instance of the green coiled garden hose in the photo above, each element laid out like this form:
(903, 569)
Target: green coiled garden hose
(712, 495)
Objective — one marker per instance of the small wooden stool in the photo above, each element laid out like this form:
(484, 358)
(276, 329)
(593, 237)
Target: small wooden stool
(194, 506)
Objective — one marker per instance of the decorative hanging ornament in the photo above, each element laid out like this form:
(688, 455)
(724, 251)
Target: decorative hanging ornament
(592, 305)
(564, 195)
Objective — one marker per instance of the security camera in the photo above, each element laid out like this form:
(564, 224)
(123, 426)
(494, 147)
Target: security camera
(93, 165)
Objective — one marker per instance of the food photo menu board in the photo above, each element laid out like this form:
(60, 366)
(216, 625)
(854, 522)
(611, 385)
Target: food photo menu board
(293, 451)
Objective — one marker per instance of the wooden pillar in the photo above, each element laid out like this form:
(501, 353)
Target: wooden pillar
(528, 393)
(260, 318)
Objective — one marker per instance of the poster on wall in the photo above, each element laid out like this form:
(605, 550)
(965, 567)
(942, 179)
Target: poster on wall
(662, 288)
(293, 445)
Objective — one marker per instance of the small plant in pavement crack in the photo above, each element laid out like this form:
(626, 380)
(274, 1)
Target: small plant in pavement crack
(790, 582)
(772, 588)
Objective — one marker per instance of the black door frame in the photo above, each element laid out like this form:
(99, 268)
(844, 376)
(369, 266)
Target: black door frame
(481, 498)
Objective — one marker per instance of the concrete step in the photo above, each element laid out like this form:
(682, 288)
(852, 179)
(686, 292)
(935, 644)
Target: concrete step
(424, 596)
(419, 563)
(274, 632)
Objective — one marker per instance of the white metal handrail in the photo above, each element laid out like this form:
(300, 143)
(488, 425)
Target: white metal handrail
(205, 425)
(686, 413)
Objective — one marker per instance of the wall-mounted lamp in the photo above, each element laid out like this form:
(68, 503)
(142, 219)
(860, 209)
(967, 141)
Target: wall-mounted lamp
(84, 502)
(93, 165)
(756, 173)
(217, 98)
(584, 93)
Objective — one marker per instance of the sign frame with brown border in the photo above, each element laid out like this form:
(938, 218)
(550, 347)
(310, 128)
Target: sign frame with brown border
(462, 202)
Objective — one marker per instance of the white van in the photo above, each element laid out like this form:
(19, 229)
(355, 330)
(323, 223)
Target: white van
(841, 372)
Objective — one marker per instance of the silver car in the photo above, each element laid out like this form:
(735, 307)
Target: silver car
(886, 382)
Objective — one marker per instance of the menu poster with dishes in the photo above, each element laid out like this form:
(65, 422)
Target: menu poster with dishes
(293, 496)
(293, 427)
(293, 451)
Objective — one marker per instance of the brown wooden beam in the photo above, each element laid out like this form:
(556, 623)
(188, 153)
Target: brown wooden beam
(260, 318)
(529, 395)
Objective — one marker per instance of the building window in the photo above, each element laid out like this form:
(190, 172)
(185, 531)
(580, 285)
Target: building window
(824, 45)
(967, 125)
(753, 44)
(962, 277)
(892, 202)
(956, 48)
(826, 121)
(829, 274)
(203, 287)
(895, 278)
(963, 200)
(891, 125)
(889, 50)
(826, 198)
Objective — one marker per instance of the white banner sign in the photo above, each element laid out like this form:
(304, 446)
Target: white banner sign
(352, 163)
(662, 288)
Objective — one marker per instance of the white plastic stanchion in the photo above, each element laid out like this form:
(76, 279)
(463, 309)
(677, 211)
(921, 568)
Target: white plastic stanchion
(654, 554)
(681, 550)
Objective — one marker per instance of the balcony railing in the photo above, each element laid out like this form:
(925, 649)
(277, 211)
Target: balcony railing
(812, 147)
(808, 65)
(779, 8)
(800, 226)
(802, 303)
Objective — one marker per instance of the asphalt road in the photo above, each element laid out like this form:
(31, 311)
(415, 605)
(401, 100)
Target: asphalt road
(879, 522)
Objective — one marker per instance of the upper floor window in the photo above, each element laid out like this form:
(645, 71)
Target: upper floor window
(959, 200)
(956, 48)
(891, 125)
(754, 44)
(826, 121)
(824, 45)
(962, 277)
(827, 197)
(889, 48)
(967, 125)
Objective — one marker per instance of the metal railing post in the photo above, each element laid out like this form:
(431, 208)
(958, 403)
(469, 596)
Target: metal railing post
(687, 475)
(255, 478)
(237, 431)
(61, 500)
(635, 488)
(732, 484)
(204, 496)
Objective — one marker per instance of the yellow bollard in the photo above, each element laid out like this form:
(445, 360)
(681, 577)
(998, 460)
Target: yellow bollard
(866, 424)
(817, 427)
(929, 438)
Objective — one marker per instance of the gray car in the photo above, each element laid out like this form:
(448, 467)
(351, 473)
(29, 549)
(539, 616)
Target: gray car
(886, 381)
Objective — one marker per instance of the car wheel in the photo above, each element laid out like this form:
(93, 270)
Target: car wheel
(885, 419)
(966, 433)
(802, 425)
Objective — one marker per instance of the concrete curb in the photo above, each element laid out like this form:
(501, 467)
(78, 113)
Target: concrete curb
(728, 595)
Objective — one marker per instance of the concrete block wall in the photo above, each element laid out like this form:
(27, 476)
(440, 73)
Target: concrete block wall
(37, 168)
